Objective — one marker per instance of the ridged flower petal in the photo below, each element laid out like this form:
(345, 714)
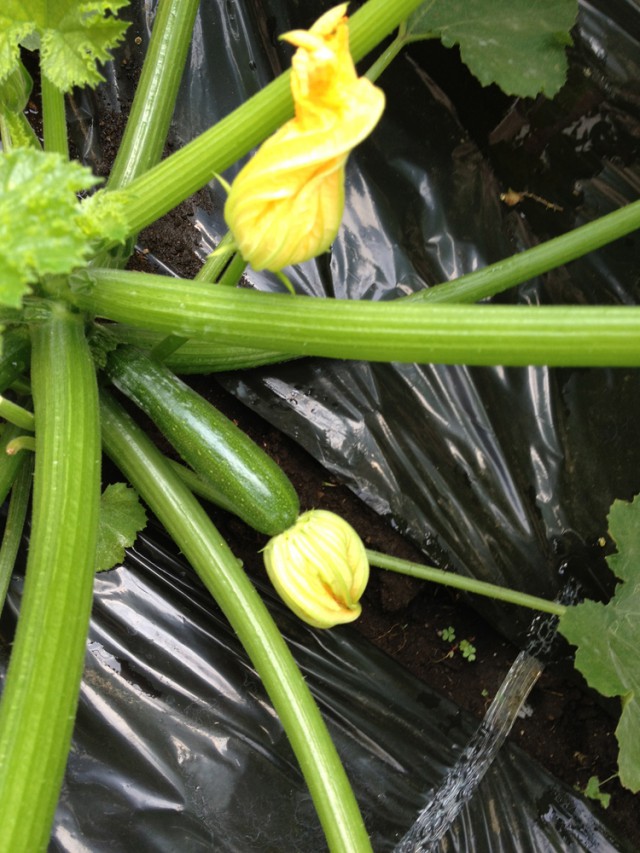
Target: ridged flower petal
(320, 569)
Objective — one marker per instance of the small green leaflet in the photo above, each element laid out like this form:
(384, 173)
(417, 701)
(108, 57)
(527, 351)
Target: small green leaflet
(41, 220)
(608, 637)
(72, 36)
(518, 44)
(122, 517)
(594, 791)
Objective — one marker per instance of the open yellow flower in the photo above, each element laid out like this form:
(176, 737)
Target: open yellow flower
(286, 204)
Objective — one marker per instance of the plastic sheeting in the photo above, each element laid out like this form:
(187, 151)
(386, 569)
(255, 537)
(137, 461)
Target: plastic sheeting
(502, 474)
(177, 747)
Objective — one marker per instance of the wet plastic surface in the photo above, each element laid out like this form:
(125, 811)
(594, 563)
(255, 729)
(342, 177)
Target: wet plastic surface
(177, 747)
(505, 475)
(502, 474)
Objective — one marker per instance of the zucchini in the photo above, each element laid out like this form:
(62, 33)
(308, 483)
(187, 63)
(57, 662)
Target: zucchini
(215, 448)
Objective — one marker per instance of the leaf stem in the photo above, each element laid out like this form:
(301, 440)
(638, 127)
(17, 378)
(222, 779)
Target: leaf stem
(43, 680)
(471, 585)
(16, 517)
(54, 119)
(197, 356)
(525, 265)
(16, 414)
(10, 464)
(510, 335)
(154, 101)
(192, 530)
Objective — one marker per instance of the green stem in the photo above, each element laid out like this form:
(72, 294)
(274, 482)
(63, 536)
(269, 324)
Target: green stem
(16, 517)
(380, 65)
(22, 442)
(537, 260)
(154, 101)
(16, 351)
(400, 331)
(43, 680)
(16, 414)
(214, 266)
(10, 463)
(186, 171)
(218, 268)
(198, 486)
(192, 530)
(471, 585)
(54, 119)
(197, 356)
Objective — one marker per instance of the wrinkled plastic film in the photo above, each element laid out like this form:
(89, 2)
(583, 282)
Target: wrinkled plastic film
(177, 747)
(493, 472)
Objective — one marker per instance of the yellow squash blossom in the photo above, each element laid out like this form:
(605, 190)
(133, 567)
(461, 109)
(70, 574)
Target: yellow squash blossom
(319, 568)
(286, 204)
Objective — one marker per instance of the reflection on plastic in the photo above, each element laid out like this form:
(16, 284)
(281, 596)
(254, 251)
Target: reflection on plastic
(176, 746)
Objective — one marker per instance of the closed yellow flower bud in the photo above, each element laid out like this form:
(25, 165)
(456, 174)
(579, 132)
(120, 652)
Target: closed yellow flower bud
(286, 204)
(319, 568)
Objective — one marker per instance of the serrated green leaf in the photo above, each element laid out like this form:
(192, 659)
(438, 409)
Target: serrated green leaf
(607, 637)
(518, 44)
(16, 89)
(122, 517)
(73, 36)
(14, 95)
(40, 219)
(103, 216)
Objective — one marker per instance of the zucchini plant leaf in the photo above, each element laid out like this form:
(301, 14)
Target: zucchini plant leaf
(122, 517)
(517, 44)
(608, 637)
(41, 220)
(72, 35)
(14, 95)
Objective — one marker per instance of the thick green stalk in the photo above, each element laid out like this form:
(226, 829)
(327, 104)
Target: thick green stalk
(182, 174)
(471, 585)
(54, 119)
(43, 680)
(532, 262)
(374, 331)
(154, 101)
(192, 530)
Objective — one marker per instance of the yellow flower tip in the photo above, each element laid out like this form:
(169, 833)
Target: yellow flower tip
(319, 568)
(285, 206)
